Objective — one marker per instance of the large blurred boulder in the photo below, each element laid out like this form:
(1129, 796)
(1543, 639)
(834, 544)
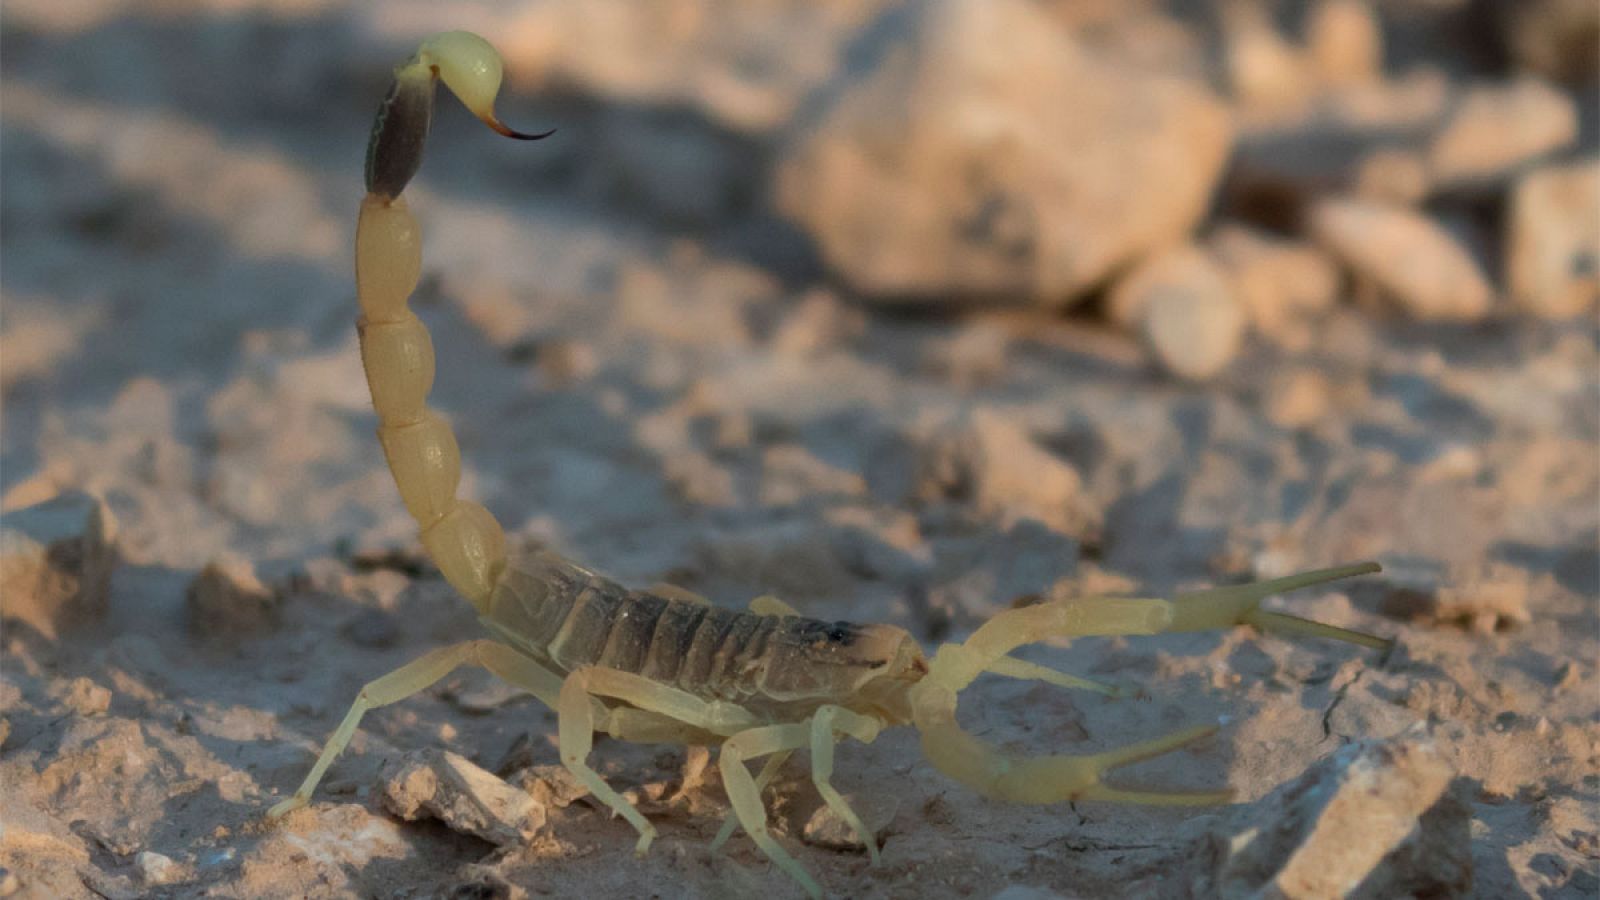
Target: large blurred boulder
(986, 153)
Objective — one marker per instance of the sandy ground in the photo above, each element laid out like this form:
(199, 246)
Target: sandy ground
(669, 390)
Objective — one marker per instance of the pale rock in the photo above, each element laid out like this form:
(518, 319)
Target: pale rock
(156, 869)
(227, 598)
(56, 560)
(995, 464)
(442, 785)
(1372, 819)
(83, 697)
(1280, 282)
(1553, 240)
(984, 153)
(1392, 175)
(1485, 597)
(1183, 304)
(1268, 75)
(1297, 398)
(1195, 334)
(1344, 42)
(1409, 258)
(1496, 130)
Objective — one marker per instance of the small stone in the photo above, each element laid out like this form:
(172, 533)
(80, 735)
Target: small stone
(1409, 258)
(827, 829)
(56, 560)
(9, 882)
(1495, 130)
(1389, 175)
(1268, 75)
(551, 786)
(1186, 310)
(156, 869)
(994, 463)
(1486, 598)
(1553, 240)
(1485, 606)
(227, 598)
(980, 151)
(85, 698)
(1372, 819)
(438, 784)
(1345, 43)
(1281, 283)
(1297, 398)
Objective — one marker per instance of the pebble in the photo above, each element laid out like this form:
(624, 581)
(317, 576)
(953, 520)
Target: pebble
(56, 560)
(227, 598)
(1487, 598)
(995, 464)
(156, 869)
(1297, 398)
(1495, 130)
(1270, 77)
(1344, 43)
(983, 153)
(438, 784)
(1186, 309)
(1553, 240)
(1392, 175)
(1281, 283)
(1409, 258)
(1373, 818)
(85, 698)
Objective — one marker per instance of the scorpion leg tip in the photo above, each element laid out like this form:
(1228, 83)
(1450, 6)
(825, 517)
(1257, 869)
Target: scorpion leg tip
(285, 807)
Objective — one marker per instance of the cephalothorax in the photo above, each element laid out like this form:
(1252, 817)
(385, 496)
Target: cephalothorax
(662, 665)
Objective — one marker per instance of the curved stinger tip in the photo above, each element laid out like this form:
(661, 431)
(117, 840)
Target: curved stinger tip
(510, 132)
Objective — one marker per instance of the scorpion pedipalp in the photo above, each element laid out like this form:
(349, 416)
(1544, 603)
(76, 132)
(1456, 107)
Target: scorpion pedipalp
(1059, 778)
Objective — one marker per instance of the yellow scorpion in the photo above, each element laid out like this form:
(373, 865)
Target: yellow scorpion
(663, 665)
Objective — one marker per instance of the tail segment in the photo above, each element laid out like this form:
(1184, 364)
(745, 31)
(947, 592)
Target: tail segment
(463, 538)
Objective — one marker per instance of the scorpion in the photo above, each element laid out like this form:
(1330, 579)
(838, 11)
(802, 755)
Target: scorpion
(663, 665)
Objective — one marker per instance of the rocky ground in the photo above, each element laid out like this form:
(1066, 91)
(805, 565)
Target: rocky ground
(906, 312)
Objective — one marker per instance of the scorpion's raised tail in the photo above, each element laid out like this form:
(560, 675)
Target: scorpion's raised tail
(1056, 778)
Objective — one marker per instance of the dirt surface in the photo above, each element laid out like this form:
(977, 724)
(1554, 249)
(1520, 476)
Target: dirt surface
(682, 341)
